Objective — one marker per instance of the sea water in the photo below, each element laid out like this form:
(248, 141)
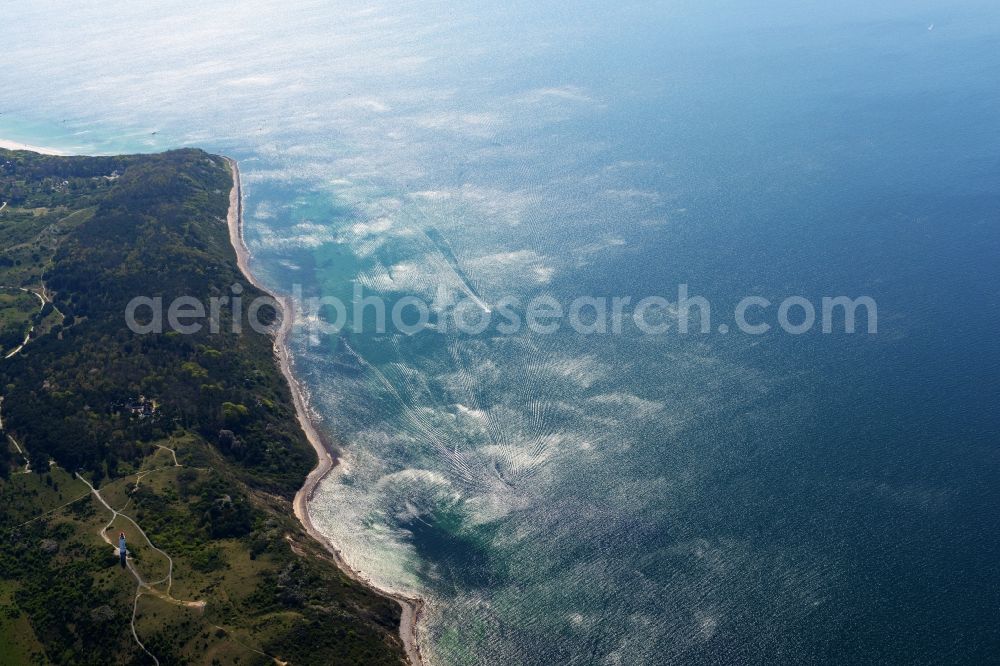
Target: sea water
(619, 497)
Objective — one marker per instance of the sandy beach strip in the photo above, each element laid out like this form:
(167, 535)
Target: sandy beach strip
(411, 607)
(14, 145)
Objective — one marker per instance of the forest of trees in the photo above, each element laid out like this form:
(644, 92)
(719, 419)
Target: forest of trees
(158, 232)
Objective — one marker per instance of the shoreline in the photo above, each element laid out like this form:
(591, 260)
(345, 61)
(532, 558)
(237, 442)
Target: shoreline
(412, 608)
(14, 145)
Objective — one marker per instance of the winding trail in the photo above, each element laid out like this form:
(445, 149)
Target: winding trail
(27, 336)
(147, 587)
(142, 585)
(168, 579)
(172, 452)
(412, 607)
(43, 299)
(10, 438)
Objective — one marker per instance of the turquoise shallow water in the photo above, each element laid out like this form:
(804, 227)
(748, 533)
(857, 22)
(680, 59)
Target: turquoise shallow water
(618, 499)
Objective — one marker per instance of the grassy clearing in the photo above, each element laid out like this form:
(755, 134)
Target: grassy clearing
(17, 310)
(29, 496)
(18, 643)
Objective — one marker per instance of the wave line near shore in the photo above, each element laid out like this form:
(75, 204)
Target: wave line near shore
(412, 607)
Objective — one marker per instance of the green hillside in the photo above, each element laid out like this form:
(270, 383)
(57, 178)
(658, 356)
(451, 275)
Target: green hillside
(190, 441)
